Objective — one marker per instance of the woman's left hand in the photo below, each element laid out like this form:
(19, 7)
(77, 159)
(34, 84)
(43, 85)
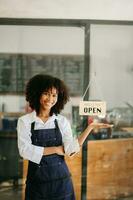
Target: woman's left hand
(100, 125)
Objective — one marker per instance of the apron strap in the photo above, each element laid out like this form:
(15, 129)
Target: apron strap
(32, 126)
(32, 129)
(56, 124)
(57, 128)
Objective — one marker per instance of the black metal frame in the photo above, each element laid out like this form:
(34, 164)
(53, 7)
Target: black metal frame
(59, 22)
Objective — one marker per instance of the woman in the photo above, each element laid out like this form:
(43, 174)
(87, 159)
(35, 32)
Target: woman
(45, 136)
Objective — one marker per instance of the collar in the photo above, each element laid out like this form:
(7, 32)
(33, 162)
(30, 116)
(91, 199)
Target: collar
(34, 118)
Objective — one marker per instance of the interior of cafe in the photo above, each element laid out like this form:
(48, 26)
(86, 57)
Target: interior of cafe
(93, 57)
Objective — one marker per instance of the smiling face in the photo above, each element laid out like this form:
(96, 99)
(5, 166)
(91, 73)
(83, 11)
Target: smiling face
(48, 99)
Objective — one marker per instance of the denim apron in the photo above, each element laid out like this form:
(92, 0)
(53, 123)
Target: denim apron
(51, 179)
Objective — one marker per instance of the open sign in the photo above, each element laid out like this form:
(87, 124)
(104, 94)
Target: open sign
(92, 108)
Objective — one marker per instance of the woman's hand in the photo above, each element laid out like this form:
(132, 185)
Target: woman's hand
(60, 150)
(100, 125)
(93, 126)
(52, 150)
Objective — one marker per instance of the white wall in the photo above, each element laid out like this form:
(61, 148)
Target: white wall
(111, 51)
(12, 103)
(70, 9)
(42, 40)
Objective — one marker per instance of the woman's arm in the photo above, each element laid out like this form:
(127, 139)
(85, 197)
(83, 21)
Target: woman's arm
(51, 150)
(26, 149)
(60, 149)
(71, 144)
(88, 130)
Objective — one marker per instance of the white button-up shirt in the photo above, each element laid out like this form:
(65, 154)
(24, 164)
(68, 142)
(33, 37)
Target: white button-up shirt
(34, 153)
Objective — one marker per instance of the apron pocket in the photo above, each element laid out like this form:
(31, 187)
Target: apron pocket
(53, 172)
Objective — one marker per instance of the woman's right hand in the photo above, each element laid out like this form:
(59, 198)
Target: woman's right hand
(52, 150)
(60, 150)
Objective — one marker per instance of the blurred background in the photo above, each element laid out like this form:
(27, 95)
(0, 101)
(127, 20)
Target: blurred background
(78, 51)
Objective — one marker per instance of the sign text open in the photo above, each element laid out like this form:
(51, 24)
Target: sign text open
(92, 108)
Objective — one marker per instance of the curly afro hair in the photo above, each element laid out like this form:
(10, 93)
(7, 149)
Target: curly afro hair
(41, 83)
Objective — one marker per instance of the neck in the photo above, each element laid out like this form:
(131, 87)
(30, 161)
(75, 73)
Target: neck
(44, 116)
(44, 113)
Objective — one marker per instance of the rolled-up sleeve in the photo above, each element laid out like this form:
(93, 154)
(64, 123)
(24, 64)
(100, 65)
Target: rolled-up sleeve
(26, 149)
(71, 144)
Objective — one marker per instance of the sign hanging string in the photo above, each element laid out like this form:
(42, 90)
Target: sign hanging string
(93, 77)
